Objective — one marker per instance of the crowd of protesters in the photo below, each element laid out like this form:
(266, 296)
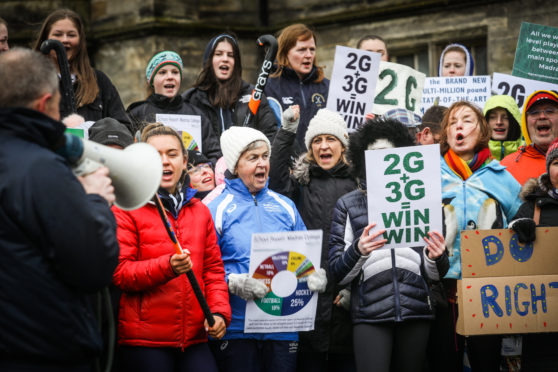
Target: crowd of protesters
(293, 167)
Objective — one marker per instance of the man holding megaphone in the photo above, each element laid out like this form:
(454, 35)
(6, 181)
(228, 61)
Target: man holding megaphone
(57, 234)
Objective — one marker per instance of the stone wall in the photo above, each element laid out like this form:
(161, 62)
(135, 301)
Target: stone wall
(123, 35)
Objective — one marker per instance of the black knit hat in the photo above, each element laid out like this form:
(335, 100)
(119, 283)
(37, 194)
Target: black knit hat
(109, 131)
(196, 157)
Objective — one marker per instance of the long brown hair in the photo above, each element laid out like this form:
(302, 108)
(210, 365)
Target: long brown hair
(87, 88)
(287, 40)
(222, 94)
(484, 136)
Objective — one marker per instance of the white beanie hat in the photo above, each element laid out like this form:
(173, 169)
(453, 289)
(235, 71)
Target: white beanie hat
(235, 140)
(327, 122)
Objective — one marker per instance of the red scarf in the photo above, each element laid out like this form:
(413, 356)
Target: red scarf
(465, 169)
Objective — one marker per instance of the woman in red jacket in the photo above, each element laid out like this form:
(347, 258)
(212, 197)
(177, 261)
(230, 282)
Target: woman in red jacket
(161, 325)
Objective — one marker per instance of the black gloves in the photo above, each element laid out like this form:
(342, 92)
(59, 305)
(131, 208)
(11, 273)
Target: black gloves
(525, 229)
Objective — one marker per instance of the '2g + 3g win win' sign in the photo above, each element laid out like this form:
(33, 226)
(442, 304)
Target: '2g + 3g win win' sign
(404, 193)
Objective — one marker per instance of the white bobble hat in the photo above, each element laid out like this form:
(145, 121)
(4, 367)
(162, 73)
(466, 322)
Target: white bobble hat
(235, 140)
(327, 122)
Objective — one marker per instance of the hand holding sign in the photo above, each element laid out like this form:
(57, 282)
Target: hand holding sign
(367, 242)
(435, 244)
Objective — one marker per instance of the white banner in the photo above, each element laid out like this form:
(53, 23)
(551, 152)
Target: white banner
(283, 261)
(188, 126)
(518, 88)
(446, 90)
(353, 82)
(398, 86)
(404, 193)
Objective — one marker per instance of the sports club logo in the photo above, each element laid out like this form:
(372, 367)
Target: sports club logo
(318, 100)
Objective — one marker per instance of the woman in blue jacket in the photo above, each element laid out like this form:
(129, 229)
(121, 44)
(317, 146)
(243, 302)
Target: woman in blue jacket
(247, 206)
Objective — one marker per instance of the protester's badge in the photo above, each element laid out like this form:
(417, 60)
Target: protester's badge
(404, 193)
(353, 83)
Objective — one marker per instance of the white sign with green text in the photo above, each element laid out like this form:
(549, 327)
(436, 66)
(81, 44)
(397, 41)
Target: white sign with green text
(405, 193)
(398, 86)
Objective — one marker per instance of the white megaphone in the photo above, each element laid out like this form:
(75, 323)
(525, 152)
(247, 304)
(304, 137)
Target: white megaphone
(135, 172)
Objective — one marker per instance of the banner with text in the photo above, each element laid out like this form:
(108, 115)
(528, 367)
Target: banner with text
(398, 86)
(444, 91)
(404, 193)
(188, 126)
(536, 56)
(518, 88)
(508, 287)
(353, 82)
(283, 262)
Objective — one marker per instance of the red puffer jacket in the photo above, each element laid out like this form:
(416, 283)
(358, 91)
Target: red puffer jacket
(157, 308)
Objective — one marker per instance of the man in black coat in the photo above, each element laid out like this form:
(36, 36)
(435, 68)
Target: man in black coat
(57, 233)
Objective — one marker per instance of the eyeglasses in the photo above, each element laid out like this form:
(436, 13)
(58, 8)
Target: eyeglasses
(547, 112)
(200, 168)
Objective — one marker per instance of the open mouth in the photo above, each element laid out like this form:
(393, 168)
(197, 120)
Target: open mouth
(207, 180)
(169, 86)
(260, 176)
(224, 68)
(167, 174)
(326, 157)
(543, 128)
(499, 130)
(459, 137)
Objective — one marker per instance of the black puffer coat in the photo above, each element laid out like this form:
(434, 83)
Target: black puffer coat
(315, 192)
(264, 121)
(536, 191)
(145, 112)
(387, 285)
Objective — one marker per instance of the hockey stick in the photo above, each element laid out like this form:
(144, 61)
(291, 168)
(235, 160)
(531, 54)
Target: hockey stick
(190, 274)
(255, 99)
(65, 78)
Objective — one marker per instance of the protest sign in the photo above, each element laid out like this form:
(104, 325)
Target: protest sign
(188, 126)
(508, 287)
(446, 90)
(404, 193)
(518, 88)
(353, 83)
(398, 86)
(536, 55)
(283, 262)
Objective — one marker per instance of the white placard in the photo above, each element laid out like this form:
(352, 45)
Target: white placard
(283, 261)
(353, 82)
(189, 127)
(404, 193)
(518, 88)
(398, 86)
(447, 90)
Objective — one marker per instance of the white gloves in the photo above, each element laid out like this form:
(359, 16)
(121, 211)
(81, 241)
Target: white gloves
(317, 281)
(290, 119)
(344, 299)
(247, 287)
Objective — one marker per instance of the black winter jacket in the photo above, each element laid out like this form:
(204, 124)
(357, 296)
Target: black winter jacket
(315, 192)
(56, 244)
(536, 191)
(288, 90)
(145, 112)
(387, 285)
(264, 121)
(106, 104)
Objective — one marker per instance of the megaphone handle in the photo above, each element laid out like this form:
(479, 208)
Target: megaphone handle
(189, 274)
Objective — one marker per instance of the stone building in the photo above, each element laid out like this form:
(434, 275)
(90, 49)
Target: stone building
(123, 35)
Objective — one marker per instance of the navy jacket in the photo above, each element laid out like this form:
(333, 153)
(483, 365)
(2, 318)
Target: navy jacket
(387, 285)
(288, 90)
(57, 244)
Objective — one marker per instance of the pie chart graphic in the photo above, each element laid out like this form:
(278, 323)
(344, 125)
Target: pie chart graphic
(285, 274)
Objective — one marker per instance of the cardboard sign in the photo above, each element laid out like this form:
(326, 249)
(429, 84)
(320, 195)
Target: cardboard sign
(353, 82)
(536, 56)
(508, 287)
(398, 86)
(446, 90)
(188, 126)
(404, 193)
(283, 262)
(518, 88)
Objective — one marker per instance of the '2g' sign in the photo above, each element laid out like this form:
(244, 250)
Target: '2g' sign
(517, 87)
(398, 86)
